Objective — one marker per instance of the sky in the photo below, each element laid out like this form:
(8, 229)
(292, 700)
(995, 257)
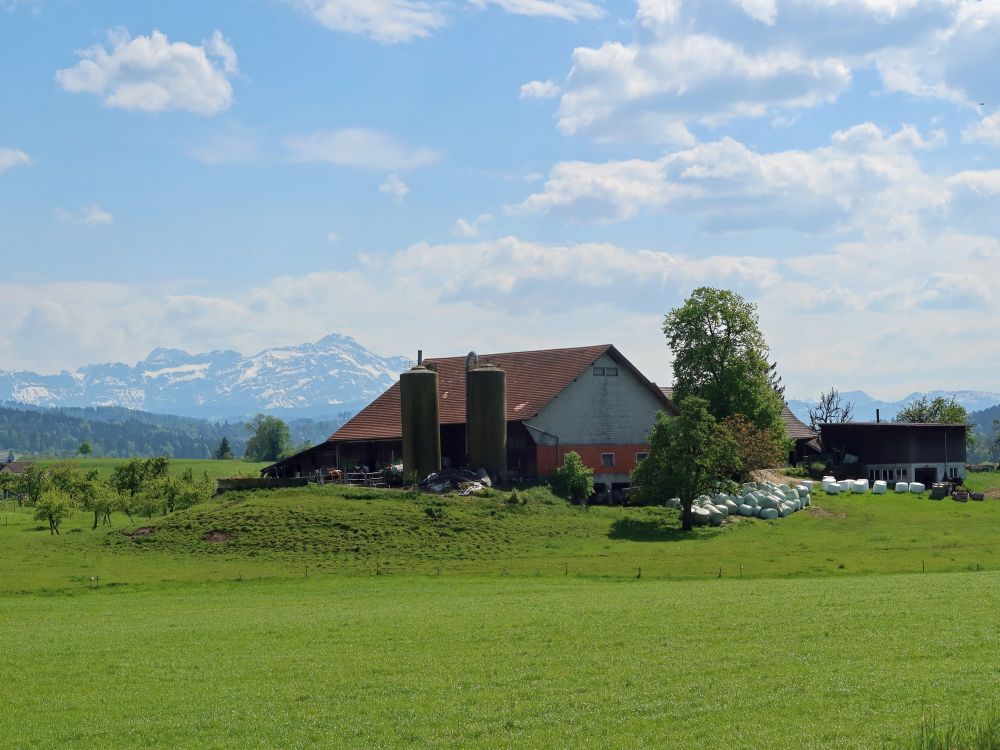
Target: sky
(502, 175)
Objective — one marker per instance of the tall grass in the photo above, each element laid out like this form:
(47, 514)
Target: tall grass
(961, 733)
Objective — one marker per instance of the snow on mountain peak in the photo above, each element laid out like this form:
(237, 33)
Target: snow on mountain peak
(303, 380)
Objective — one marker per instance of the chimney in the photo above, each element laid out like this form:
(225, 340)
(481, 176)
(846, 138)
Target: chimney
(877, 417)
(420, 357)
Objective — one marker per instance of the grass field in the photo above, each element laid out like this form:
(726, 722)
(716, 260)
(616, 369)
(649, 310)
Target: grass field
(497, 626)
(214, 469)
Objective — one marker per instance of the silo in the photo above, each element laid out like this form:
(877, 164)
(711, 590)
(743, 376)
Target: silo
(418, 390)
(486, 419)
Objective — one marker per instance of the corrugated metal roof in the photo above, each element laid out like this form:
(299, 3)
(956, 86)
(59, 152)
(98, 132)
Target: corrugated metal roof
(534, 378)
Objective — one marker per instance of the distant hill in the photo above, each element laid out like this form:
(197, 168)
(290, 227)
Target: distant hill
(117, 432)
(865, 405)
(314, 380)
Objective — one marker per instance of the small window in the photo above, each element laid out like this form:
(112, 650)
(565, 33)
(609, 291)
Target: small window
(611, 372)
(903, 473)
(599, 371)
(640, 457)
(607, 460)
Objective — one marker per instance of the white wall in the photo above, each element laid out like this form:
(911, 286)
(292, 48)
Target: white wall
(600, 409)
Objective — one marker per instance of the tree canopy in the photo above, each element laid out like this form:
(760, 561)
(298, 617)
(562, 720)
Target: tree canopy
(269, 438)
(830, 408)
(720, 355)
(939, 411)
(688, 455)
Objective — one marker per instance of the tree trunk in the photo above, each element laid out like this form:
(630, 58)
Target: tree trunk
(686, 517)
(97, 515)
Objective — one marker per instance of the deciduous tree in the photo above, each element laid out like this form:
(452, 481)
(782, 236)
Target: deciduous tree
(756, 448)
(720, 355)
(688, 456)
(831, 408)
(269, 438)
(573, 480)
(53, 506)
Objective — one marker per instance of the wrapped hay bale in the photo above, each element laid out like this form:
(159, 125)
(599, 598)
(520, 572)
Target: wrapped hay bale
(757, 511)
(769, 513)
(745, 510)
(859, 486)
(700, 516)
(917, 487)
(732, 506)
(719, 507)
(715, 517)
(880, 487)
(902, 487)
(845, 485)
(808, 484)
(832, 489)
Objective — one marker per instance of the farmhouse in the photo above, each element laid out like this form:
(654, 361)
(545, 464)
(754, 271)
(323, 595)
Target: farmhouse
(589, 399)
(896, 451)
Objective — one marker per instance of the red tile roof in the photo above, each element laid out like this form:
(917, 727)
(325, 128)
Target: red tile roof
(533, 380)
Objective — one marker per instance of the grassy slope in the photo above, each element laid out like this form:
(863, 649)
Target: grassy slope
(460, 662)
(501, 649)
(214, 469)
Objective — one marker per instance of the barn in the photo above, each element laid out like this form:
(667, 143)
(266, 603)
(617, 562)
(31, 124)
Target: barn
(588, 399)
(898, 451)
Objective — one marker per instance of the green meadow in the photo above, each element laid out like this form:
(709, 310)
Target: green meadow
(338, 617)
(214, 469)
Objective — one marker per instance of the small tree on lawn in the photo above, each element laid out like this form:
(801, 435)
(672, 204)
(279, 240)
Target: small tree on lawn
(53, 506)
(85, 449)
(573, 480)
(31, 484)
(98, 497)
(756, 448)
(688, 455)
(225, 451)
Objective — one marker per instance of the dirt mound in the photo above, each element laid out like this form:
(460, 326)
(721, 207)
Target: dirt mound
(217, 537)
(141, 531)
(821, 513)
(772, 475)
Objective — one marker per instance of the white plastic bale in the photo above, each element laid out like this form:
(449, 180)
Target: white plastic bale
(769, 513)
(829, 478)
(700, 516)
(806, 501)
(808, 484)
(745, 510)
(833, 489)
(757, 511)
(859, 486)
(784, 487)
(732, 506)
(902, 487)
(845, 485)
(721, 509)
(880, 487)
(917, 487)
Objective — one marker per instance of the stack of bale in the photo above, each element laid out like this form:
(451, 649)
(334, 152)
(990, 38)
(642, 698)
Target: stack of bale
(756, 499)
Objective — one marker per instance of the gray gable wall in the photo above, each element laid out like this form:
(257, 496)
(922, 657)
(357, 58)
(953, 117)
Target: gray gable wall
(600, 410)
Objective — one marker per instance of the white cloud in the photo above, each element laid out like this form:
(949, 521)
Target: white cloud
(11, 157)
(539, 90)
(891, 303)
(394, 188)
(151, 74)
(358, 147)
(654, 88)
(987, 131)
(765, 11)
(234, 143)
(91, 215)
(332, 237)
(568, 10)
(465, 228)
(385, 21)
(864, 179)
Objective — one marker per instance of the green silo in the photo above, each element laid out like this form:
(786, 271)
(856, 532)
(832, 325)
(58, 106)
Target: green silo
(486, 419)
(418, 389)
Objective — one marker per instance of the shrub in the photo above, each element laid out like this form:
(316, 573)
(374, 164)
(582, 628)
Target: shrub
(573, 480)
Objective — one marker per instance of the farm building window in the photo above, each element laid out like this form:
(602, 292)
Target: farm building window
(640, 457)
(903, 473)
(611, 372)
(607, 460)
(599, 371)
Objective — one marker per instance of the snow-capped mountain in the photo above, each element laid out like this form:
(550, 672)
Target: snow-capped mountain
(334, 375)
(865, 405)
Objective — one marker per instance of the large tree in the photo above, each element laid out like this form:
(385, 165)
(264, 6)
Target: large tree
(688, 456)
(939, 411)
(831, 408)
(269, 438)
(720, 355)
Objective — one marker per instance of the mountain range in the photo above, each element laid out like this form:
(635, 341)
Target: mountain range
(316, 380)
(865, 405)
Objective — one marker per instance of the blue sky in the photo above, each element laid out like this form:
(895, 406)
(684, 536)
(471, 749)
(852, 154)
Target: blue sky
(504, 174)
